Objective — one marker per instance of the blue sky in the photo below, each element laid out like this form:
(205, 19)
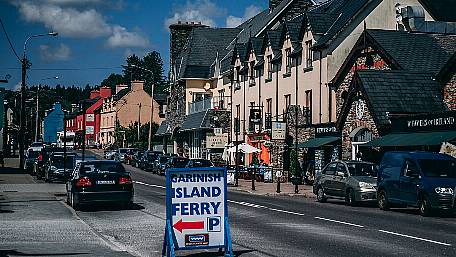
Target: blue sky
(95, 36)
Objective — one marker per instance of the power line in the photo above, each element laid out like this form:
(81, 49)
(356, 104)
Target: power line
(9, 41)
(63, 69)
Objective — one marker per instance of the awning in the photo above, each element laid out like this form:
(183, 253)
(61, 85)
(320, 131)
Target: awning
(318, 142)
(414, 139)
(195, 121)
(163, 129)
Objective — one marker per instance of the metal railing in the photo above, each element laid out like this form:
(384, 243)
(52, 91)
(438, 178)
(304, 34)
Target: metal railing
(200, 106)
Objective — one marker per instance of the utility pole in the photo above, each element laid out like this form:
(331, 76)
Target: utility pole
(149, 146)
(83, 130)
(139, 121)
(37, 113)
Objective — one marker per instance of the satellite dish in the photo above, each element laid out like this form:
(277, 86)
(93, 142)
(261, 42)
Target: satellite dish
(207, 86)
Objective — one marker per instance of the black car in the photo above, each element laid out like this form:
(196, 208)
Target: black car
(199, 163)
(136, 158)
(30, 158)
(43, 159)
(148, 160)
(177, 162)
(160, 164)
(99, 182)
(58, 168)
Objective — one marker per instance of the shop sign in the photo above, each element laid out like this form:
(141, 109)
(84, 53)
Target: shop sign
(278, 130)
(218, 131)
(327, 129)
(90, 130)
(90, 117)
(196, 210)
(431, 122)
(217, 141)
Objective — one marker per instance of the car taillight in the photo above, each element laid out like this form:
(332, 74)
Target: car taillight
(40, 158)
(125, 180)
(83, 182)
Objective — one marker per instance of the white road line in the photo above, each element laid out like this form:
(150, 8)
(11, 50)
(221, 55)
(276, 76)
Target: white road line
(340, 222)
(145, 184)
(414, 237)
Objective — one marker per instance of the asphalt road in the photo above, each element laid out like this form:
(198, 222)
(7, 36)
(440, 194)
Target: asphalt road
(282, 226)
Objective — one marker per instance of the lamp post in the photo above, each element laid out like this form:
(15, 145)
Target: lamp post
(25, 65)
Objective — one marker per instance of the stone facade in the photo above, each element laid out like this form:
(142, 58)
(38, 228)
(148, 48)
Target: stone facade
(449, 93)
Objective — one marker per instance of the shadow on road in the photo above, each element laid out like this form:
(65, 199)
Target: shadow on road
(414, 211)
(8, 170)
(212, 254)
(110, 207)
(6, 253)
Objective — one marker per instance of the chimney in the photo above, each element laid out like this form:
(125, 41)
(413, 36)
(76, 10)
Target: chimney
(120, 88)
(94, 94)
(137, 85)
(273, 4)
(412, 19)
(105, 92)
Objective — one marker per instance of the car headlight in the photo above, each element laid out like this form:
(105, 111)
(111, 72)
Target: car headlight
(444, 190)
(365, 185)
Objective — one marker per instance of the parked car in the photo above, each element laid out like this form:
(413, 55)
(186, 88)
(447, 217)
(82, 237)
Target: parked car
(43, 160)
(136, 159)
(418, 179)
(160, 164)
(148, 160)
(129, 155)
(109, 154)
(30, 158)
(353, 181)
(99, 182)
(59, 169)
(176, 162)
(120, 154)
(199, 163)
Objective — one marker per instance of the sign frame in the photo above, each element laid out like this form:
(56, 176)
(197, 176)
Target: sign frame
(169, 241)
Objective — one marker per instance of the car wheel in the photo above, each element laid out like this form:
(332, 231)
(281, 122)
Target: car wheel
(321, 195)
(350, 197)
(425, 207)
(74, 204)
(383, 201)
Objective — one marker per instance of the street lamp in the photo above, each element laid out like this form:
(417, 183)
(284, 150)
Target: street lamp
(25, 65)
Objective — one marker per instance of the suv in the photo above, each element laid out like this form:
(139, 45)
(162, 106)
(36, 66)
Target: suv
(419, 179)
(353, 181)
(176, 162)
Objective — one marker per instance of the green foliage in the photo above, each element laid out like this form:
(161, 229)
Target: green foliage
(131, 134)
(294, 164)
(255, 160)
(112, 81)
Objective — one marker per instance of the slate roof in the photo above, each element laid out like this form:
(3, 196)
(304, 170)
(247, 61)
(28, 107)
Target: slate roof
(201, 50)
(293, 28)
(441, 10)
(195, 121)
(416, 51)
(400, 92)
(274, 36)
(160, 98)
(121, 93)
(256, 44)
(225, 63)
(320, 22)
(163, 129)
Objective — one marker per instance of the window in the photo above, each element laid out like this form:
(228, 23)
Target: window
(237, 84)
(308, 107)
(269, 105)
(288, 60)
(269, 58)
(237, 120)
(287, 101)
(309, 98)
(268, 115)
(330, 169)
(309, 54)
(252, 73)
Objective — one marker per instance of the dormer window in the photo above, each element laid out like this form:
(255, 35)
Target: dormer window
(252, 73)
(269, 59)
(288, 60)
(309, 54)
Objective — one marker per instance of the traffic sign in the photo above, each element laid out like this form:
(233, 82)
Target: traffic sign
(196, 210)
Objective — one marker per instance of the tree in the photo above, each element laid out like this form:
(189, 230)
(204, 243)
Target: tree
(112, 80)
(294, 164)
(131, 73)
(153, 61)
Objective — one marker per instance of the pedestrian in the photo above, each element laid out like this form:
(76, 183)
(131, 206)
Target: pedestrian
(2, 161)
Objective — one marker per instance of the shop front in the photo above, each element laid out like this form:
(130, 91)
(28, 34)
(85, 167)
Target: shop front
(322, 149)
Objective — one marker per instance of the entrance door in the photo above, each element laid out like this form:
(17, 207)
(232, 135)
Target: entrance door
(359, 136)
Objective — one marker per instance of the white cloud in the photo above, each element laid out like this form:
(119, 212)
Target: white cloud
(122, 38)
(250, 11)
(80, 19)
(204, 11)
(17, 87)
(59, 53)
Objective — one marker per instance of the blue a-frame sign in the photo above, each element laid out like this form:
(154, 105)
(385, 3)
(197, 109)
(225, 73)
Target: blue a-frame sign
(196, 211)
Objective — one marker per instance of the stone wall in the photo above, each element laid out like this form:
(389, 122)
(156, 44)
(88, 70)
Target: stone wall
(449, 93)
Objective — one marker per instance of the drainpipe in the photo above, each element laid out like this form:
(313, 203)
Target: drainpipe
(320, 114)
(296, 189)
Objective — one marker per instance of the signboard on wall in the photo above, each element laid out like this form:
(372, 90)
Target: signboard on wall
(278, 130)
(90, 117)
(429, 122)
(217, 141)
(90, 130)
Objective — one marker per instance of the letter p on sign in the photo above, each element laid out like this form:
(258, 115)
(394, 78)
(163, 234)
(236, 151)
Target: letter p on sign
(214, 224)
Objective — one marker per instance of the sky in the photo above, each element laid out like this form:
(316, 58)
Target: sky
(95, 36)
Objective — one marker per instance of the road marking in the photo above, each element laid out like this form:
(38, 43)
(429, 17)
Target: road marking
(265, 207)
(145, 184)
(414, 237)
(340, 222)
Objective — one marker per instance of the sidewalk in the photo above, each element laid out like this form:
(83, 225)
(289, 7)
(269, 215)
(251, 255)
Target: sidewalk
(11, 174)
(270, 189)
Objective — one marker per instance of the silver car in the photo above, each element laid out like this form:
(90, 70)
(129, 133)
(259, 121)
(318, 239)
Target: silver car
(353, 181)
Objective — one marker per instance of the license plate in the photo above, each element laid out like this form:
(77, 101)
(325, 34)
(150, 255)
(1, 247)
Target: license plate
(106, 182)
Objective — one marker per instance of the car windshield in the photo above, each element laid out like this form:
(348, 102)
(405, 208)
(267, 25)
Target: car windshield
(123, 150)
(37, 144)
(438, 168)
(202, 163)
(101, 167)
(33, 154)
(57, 161)
(151, 156)
(180, 163)
(362, 169)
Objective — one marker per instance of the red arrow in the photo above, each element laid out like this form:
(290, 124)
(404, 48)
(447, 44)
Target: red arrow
(180, 225)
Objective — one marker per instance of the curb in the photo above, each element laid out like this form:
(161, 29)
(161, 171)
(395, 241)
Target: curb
(304, 195)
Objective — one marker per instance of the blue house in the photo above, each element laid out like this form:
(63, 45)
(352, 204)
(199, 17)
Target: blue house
(53, 122)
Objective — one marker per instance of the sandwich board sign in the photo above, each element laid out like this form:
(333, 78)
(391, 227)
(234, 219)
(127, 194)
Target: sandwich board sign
(196, 210)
